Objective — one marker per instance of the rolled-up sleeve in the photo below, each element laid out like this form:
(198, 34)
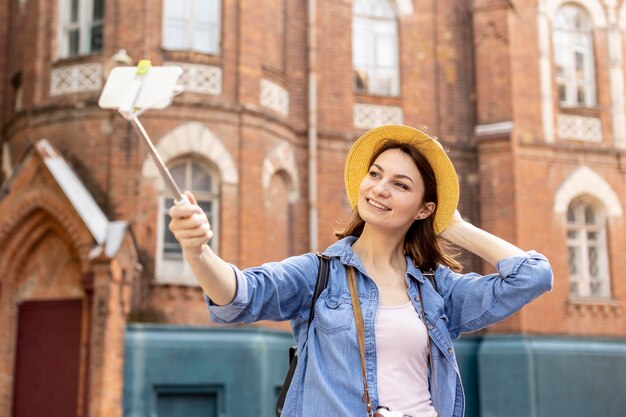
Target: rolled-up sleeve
(475, 301)
(273, 291)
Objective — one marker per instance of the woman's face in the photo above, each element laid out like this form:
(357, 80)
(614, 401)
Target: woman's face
(391, 194)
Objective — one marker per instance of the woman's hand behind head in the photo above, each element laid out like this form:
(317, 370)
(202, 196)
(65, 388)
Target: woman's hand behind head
(455, 222)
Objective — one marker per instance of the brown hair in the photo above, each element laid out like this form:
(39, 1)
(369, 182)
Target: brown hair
(421, 243)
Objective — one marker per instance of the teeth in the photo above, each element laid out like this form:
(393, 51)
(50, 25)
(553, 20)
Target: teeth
(378, 205)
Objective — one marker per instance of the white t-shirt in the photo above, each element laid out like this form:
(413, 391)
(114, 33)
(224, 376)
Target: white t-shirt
(402, 361)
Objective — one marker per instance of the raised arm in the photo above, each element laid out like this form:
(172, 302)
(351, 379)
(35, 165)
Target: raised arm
(191, 228)
(481, 243)
(474, 301)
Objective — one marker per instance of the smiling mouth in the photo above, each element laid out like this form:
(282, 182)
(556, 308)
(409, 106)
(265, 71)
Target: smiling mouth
(377, 205)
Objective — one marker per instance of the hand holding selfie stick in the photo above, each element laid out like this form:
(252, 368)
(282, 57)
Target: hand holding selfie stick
(132, 91)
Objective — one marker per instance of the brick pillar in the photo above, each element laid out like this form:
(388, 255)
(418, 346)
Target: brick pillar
(107, 341)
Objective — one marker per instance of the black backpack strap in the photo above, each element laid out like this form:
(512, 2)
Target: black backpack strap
(322, 282)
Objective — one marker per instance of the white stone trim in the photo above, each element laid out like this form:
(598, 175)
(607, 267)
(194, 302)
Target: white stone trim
(76, 79)
(404, 7)
(594, 7)
(281, 158)
(545, 75)
(193, 138)
(572, 127)
(585, 181)
(367, 116)
(621, 17)
(499, 128)
(204, 79)
(274, 97)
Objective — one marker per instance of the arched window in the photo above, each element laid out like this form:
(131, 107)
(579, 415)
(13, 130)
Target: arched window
(375, 47)
(192, 25)
(190, 175)
(587, 252)
(573, 57)
(82, 27)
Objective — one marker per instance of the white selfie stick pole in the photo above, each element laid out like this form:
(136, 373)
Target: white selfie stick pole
(131, 113)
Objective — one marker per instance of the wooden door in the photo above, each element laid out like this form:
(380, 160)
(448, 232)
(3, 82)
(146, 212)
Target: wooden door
(47, 359)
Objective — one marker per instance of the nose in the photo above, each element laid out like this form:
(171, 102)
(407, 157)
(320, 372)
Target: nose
(381, 189)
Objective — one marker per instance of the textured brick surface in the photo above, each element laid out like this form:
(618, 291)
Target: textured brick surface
(463, 64)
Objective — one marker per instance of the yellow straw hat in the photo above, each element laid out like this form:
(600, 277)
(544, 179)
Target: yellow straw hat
(358, 160)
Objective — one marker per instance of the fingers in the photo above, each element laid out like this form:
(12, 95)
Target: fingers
(192, 198)
(189, 224)
(185, 210)
(194, 238)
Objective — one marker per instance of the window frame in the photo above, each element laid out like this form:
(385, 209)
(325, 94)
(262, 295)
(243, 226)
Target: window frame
(569, 80)
(376, 27)
(582, 244)
(190, 26)
(84, 24)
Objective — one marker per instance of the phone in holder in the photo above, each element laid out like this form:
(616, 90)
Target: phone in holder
(129, 92)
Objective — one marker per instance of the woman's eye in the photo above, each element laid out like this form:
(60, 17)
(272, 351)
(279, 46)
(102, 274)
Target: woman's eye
(402, 185)
(374, 174)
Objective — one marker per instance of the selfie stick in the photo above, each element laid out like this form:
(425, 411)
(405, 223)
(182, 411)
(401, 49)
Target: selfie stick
(131, 112)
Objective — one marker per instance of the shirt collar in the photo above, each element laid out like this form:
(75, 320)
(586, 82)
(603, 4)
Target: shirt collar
(342, 249)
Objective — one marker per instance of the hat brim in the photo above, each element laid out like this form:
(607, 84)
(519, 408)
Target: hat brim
(357, 166)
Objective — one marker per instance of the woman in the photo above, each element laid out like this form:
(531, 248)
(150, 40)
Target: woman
(404, 192)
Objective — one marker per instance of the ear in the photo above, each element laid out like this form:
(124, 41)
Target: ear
(425, 210)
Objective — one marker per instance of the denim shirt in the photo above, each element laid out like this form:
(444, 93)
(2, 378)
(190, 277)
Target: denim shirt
(328, 379)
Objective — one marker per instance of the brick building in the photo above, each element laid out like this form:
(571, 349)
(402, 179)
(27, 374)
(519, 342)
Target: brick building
(528, 96)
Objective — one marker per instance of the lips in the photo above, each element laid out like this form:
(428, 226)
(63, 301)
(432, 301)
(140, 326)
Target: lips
(377, 205)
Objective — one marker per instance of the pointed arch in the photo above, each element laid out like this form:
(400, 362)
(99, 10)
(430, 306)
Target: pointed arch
(21, 223)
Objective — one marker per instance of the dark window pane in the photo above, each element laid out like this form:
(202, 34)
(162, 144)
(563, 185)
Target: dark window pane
(572, 260)
(171, 247)
(580, 95)
(562, 93)
(96, 39)
(571, 215)
(590, 216)
(98, 9)
(74, 11)
(580, 64)
(207, 206)
(74, 42)
(200, 179)
(185, 404)
(178, 173)
(596, 288)
(593, 262)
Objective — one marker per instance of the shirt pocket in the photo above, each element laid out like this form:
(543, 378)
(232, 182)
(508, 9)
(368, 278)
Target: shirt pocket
(333, 313)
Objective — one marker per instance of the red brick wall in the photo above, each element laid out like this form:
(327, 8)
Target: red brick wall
(462, 64)
(492, 61)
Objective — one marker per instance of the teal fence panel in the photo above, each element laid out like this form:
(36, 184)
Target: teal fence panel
(466, 349)
(173, 371)
(552, 377)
